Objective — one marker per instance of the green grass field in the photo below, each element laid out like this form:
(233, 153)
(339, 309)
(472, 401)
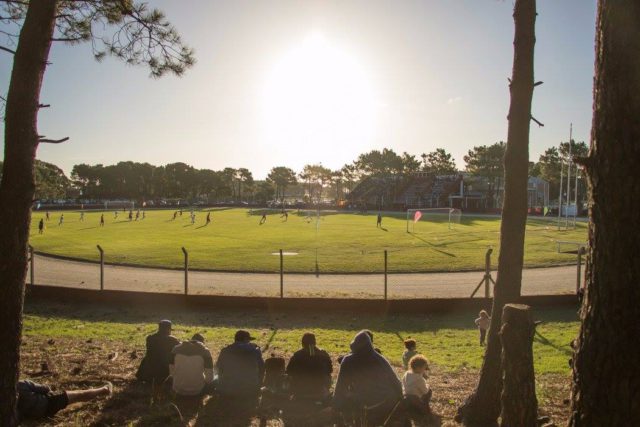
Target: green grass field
(340, 243)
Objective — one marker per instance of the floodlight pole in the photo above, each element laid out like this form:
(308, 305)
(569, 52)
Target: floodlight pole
(186, 271)
(566, 213)
(31, 265)
(101, 267)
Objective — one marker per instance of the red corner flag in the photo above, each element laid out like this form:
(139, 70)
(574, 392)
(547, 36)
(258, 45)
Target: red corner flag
(417, 216)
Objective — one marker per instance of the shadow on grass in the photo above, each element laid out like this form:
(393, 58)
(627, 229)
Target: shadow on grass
(538, 337)
(269, 319)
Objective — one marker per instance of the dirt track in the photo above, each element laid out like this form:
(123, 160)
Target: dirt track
(50, 271)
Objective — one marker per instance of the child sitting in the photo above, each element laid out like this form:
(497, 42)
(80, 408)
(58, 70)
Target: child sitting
(410, 351)
(414, 384)
(483, 322)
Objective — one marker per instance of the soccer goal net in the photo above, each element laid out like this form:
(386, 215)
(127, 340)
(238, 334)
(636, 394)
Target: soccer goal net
(416, 218)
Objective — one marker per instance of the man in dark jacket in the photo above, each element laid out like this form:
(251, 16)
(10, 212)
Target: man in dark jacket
(240, 368)
(155, 364)
(366, 379)
(309, 370)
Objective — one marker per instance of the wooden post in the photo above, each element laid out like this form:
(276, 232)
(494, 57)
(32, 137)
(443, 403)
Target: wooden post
(186, 271)
(385, 274)
(581, 252)
(31, 266)
(519, 403)
(281, 275)
(101, 267)
(487, 273)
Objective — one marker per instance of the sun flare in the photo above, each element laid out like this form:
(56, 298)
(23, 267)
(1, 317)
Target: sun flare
(318, 95)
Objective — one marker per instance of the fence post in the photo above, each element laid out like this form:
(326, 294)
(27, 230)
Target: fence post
(101, 267)
(281, 275)
(581, 251)
(31, 265)
(487, 273)
(186, 271)
(385, 274)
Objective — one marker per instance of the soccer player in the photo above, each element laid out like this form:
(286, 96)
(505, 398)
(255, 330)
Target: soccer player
(208, 218)
(47, 215)
(263, 219)
(81, 216)
(379, 222)
(193, 218)
(115, 215)
(175, 214)
(102, 220)
(130, 215)
(144, 214)
(138, 214)
(285, 215)
(41, 226)
(61, 220)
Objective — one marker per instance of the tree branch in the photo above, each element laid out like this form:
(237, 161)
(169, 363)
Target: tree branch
(537, 122)
(6, 49)
(54, 141)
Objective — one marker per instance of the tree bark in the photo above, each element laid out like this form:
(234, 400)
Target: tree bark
(483, 406)
(606, 368)
(519, 403)
(17, 189)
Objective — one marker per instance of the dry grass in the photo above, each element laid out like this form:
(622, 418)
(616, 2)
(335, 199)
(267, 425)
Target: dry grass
(74, 363)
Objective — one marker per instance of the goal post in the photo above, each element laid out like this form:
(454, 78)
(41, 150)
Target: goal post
(449, 216)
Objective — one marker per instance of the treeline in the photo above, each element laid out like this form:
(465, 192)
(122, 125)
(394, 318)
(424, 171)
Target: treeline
(315, 182)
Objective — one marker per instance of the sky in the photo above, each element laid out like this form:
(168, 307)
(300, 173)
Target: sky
(287, 83)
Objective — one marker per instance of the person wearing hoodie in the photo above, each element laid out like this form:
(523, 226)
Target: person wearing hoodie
(366, 379)
(309, 370)
(240, 368)
(191, 367)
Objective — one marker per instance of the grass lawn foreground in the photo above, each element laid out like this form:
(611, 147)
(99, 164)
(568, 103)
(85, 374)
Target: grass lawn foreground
(86, 345)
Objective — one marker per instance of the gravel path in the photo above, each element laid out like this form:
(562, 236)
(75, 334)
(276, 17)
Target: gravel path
(51, 271)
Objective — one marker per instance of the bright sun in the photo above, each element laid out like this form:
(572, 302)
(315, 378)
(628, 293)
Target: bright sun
(318, 96)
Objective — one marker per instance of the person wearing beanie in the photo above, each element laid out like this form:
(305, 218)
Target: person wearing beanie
(191, 368)
(154, 367)
(309, 370)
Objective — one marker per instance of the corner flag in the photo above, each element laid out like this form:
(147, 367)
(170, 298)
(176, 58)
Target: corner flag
(417, 216)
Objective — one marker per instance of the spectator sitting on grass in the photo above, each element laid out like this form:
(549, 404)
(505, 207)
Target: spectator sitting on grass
(240, 369)
(154, 367)
(191, 368)
(414, 384)
(366, 379)
(37, 401)
(309, 370)
(410, 351)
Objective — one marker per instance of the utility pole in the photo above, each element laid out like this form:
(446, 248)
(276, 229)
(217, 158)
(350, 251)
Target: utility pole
(566, 213)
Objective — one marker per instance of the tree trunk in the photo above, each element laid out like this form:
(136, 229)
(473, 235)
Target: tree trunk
(606, 368)
(483, 406)
(17, 189)
(519, 403)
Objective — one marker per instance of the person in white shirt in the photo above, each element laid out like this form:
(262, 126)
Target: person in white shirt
(191, 368)
(414, 384)
(483, 322)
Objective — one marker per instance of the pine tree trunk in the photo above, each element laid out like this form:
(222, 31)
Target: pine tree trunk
(17, 189)
(606, 368)
(483, 406)
(519, 403)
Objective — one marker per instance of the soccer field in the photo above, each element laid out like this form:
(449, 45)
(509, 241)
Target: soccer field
(337, 242)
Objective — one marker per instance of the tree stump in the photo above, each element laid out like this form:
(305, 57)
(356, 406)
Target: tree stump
(519, 403)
